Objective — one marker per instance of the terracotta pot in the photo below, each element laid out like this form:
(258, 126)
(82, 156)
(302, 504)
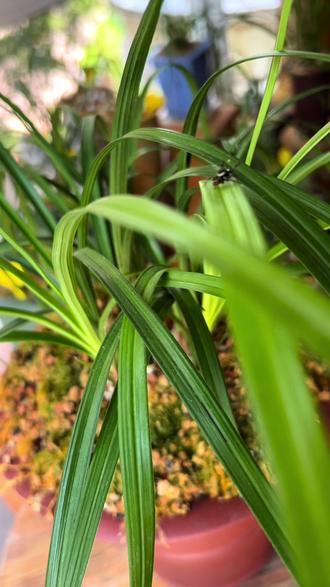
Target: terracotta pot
(218, 544)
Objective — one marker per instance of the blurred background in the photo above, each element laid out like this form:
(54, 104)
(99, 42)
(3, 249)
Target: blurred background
(52, 51)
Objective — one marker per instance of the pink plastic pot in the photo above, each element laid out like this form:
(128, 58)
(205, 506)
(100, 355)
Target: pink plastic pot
(218, 544)
(5, 352)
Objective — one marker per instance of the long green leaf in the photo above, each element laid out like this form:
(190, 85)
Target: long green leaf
(26, 186)
(241, 141)
(135, 455)
(126, 106)
(289, 427)
(77, 463)
(66, 275)
(41, 337)
(308, 168)
(192, 118)
(39, 318)
(304, 150)
(311, 204)
(304, 309)
(214, 423)
(97, 484)
(55, 195)
(41, 293)
(25, 229)
(274, 207)
(87, 156)
(271, 79)
(228, 212)
(59, 162)
(211, 284)
(204, 349)
(30, 260)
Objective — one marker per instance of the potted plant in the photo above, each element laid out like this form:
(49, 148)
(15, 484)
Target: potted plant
(199, 512)
(74, 240)
(181, 54)
(198, 509)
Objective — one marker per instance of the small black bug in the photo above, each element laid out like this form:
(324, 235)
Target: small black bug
(224, 174)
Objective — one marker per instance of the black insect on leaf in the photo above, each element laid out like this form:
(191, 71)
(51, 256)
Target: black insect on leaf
(224, 174)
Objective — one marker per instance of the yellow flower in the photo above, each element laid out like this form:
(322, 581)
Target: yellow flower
(152, 103)
(283, 156)
(13, 283)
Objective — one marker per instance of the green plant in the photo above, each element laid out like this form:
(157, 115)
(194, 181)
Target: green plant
(270, 312)
(178, 31)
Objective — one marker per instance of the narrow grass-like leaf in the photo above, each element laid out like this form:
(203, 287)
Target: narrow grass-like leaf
(304, 150)
(59, 162)
(54, 195)
(126, 106)
(87, 156)
(214, 423)
(11, 326)
(304, 309)
(228, 212)
(102, 326)
(290, 429)
(298, 175)
(66, 275)
(273, 206)
(30, 260)
(135, 455)
(204, 349)
(41, 337)
(97, 484)
(18, 175)
(76, 466)
(275, 209)
(241, 141)
(203, 171)
(192, 118)
(41, 293)
(271, 79)
(311, 204)
(39, 318)
(176, 278)
(24, 228)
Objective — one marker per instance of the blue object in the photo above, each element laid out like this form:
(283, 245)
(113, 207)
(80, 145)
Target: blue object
(175, 86)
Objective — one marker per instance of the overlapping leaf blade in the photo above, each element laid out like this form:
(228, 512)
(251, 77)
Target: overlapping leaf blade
(274, 207)
(304, 309)
(215, 425)
(204, 349)
(76, 468)
(290, 430)
(135, 455)
(127, 105)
